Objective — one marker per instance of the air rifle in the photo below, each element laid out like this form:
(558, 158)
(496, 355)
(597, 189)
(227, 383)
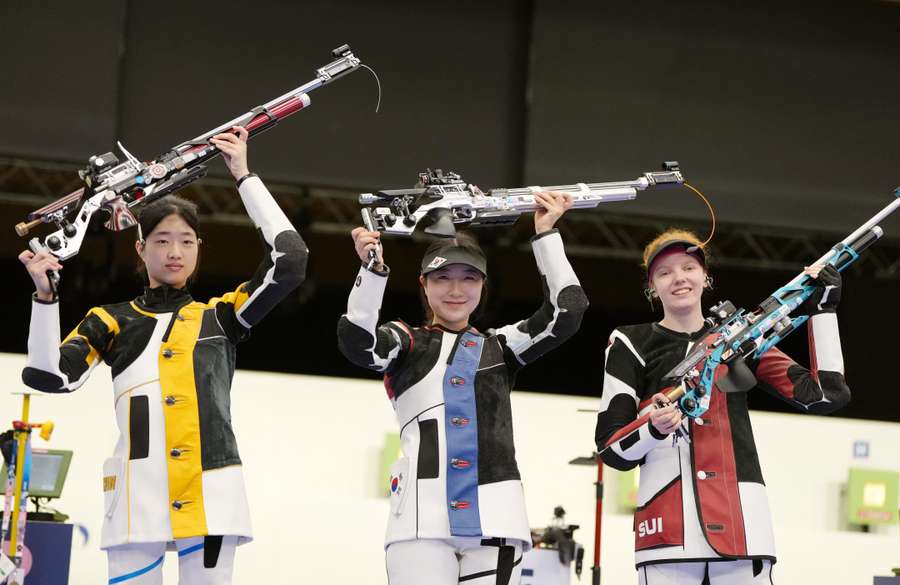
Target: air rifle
(120, 188)
(735, 335)
(441, 200)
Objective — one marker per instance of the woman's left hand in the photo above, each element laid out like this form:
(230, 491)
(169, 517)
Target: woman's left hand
(555, 204)
(828, 292)
(234, 150)
(665, 416)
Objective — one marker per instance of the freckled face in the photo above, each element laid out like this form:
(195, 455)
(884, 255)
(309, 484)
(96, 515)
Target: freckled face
(678, 278)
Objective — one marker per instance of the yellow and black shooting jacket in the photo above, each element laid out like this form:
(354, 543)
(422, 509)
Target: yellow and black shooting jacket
(175, 471)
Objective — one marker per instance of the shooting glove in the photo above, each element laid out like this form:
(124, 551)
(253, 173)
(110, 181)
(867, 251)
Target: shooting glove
(827, 295)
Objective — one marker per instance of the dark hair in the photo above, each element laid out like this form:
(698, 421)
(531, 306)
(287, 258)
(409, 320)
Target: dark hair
(160, 209)
(155, 212)
(463, 240)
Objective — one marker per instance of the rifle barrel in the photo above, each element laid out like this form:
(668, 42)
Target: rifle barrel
(853, 238)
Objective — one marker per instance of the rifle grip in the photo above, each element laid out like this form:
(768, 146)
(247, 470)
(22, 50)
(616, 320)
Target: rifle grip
(23, 228)
(369, 223)
(368, 219)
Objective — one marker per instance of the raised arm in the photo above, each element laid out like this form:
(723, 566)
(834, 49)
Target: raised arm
(565, 303)
(821, 389)
(283, 266)
(360, 338)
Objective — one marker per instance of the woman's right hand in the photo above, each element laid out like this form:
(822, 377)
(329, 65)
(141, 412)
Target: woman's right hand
(665, 416)
(37, 265)
(363, 241)
(553, 205)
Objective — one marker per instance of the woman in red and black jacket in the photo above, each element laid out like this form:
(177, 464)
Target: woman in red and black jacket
(703, 515)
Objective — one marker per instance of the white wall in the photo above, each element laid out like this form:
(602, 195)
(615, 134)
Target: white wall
(311, 450)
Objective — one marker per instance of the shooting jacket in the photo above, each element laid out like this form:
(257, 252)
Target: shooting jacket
(175, 471)
(702, 496)
(450, 390)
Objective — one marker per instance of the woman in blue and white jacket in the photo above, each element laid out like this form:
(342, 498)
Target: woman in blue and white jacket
(457, 505)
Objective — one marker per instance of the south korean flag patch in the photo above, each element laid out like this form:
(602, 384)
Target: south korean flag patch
(437, 262)
(399, 473)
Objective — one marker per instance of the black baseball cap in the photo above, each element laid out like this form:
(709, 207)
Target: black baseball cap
(454, 255)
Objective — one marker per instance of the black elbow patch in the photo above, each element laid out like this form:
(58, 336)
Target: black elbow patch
(289, 272)
(574, 303)
(573, 299)
(835, 388)
(354, 341)
(291, 268)
(831, 386)
(43, 381)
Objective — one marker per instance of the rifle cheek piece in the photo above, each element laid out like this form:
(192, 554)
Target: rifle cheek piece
(440, 223)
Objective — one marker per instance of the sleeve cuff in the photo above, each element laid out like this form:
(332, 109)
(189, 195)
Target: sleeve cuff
(244, 178)
(250, 186)
(384, 273)
(537, 237)
(655, 433)
(35, 299)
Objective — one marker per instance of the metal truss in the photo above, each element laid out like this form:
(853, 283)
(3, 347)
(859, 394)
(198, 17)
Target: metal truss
(315, 209)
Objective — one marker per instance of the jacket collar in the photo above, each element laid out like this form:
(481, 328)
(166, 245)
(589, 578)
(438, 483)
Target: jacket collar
(692, 336)
(164, 298)
(469, 329)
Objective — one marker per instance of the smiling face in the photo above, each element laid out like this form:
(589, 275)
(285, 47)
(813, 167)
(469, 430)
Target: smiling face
(678, 278)
(453, 293)
(170, 252)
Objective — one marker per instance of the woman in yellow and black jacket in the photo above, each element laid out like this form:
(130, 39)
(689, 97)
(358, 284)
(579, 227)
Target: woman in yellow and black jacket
(175, 476)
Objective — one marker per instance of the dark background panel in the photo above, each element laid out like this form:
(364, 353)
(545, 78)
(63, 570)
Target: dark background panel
(452, 79)
(784, 113)
(59, 77)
